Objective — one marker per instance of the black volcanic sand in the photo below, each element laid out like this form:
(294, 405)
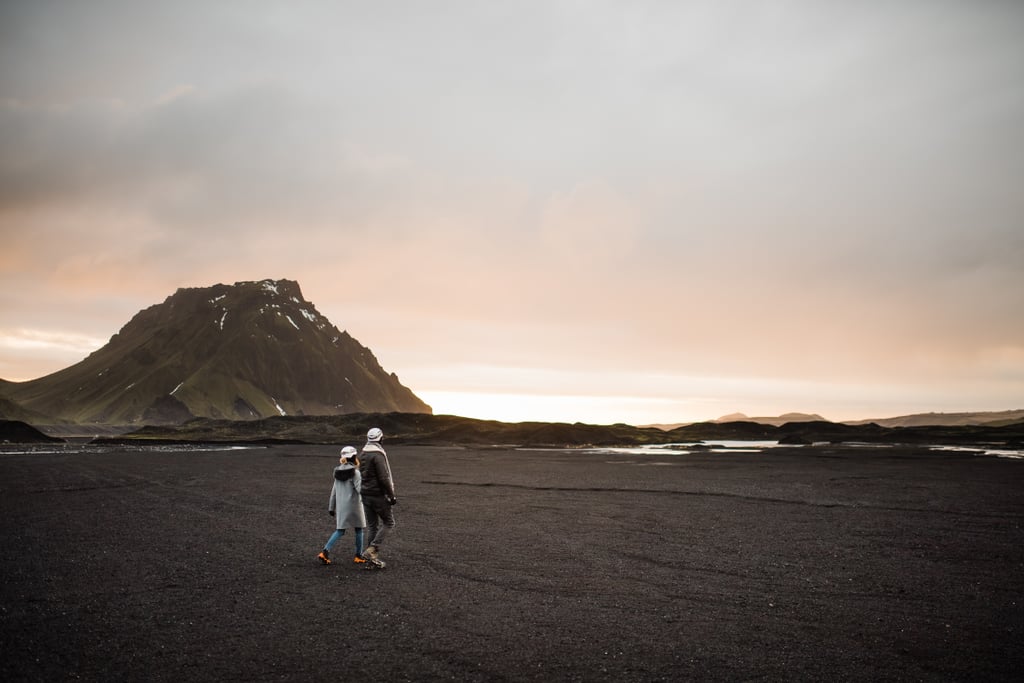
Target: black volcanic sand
(842, 563)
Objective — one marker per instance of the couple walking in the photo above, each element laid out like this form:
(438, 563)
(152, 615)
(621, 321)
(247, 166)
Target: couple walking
(362, 497)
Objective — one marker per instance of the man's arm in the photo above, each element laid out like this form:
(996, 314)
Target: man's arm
(383, 469)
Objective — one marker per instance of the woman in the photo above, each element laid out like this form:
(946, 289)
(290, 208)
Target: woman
(346, 505)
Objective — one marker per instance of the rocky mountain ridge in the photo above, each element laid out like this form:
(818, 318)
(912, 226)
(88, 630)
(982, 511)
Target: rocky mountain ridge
(238, 352)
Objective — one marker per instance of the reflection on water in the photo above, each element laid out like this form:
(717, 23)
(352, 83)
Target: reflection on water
(90, 449)
(982, 450)
(685, 448)
(682, 448)
(729, 446)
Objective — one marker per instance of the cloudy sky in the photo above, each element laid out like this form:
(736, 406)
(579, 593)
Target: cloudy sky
(644, 211)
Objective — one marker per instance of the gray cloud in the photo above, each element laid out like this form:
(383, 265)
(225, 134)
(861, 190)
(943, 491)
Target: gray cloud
(820, 188)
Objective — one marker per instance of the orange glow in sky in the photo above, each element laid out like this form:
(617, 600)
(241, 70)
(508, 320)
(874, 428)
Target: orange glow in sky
(620, 212)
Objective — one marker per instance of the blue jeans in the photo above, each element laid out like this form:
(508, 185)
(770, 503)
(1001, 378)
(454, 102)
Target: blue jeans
(338, 533)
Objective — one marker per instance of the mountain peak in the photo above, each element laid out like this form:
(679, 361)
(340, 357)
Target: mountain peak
(276, 297)
(288, 289)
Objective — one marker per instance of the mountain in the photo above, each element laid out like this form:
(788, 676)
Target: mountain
(1004, 417)
(16, 431)
(238, 352)
(991, 419)
(776, 421)
(9, 410)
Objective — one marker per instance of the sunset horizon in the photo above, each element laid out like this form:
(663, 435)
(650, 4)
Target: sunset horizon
(516, 404)
(547, 211)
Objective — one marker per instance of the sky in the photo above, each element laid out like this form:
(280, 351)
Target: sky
(642, 212)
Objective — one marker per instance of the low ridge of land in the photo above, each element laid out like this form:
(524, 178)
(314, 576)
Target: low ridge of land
(422, 429)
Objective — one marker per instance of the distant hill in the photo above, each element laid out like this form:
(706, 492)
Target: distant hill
(948, 419)
(16, 431)
(399, 428)
(740, 417)
(9, 410)
(425, 429)
(1006, 417)
(778, 421)
(239, 352)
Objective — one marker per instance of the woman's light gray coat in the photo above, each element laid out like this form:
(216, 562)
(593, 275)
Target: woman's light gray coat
(346, 503)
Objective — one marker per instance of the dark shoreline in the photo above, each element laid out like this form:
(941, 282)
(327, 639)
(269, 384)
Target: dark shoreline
(427, 430)
(418, 429)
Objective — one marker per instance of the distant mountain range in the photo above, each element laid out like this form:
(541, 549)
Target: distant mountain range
(994, 419)
(239, 352)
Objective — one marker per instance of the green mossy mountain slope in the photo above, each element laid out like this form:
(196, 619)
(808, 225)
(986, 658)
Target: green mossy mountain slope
(238, 352)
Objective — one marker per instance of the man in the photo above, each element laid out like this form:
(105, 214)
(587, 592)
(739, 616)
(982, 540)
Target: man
(378, 492)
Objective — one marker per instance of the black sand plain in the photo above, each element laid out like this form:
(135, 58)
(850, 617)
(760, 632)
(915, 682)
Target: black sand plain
(846, 563)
